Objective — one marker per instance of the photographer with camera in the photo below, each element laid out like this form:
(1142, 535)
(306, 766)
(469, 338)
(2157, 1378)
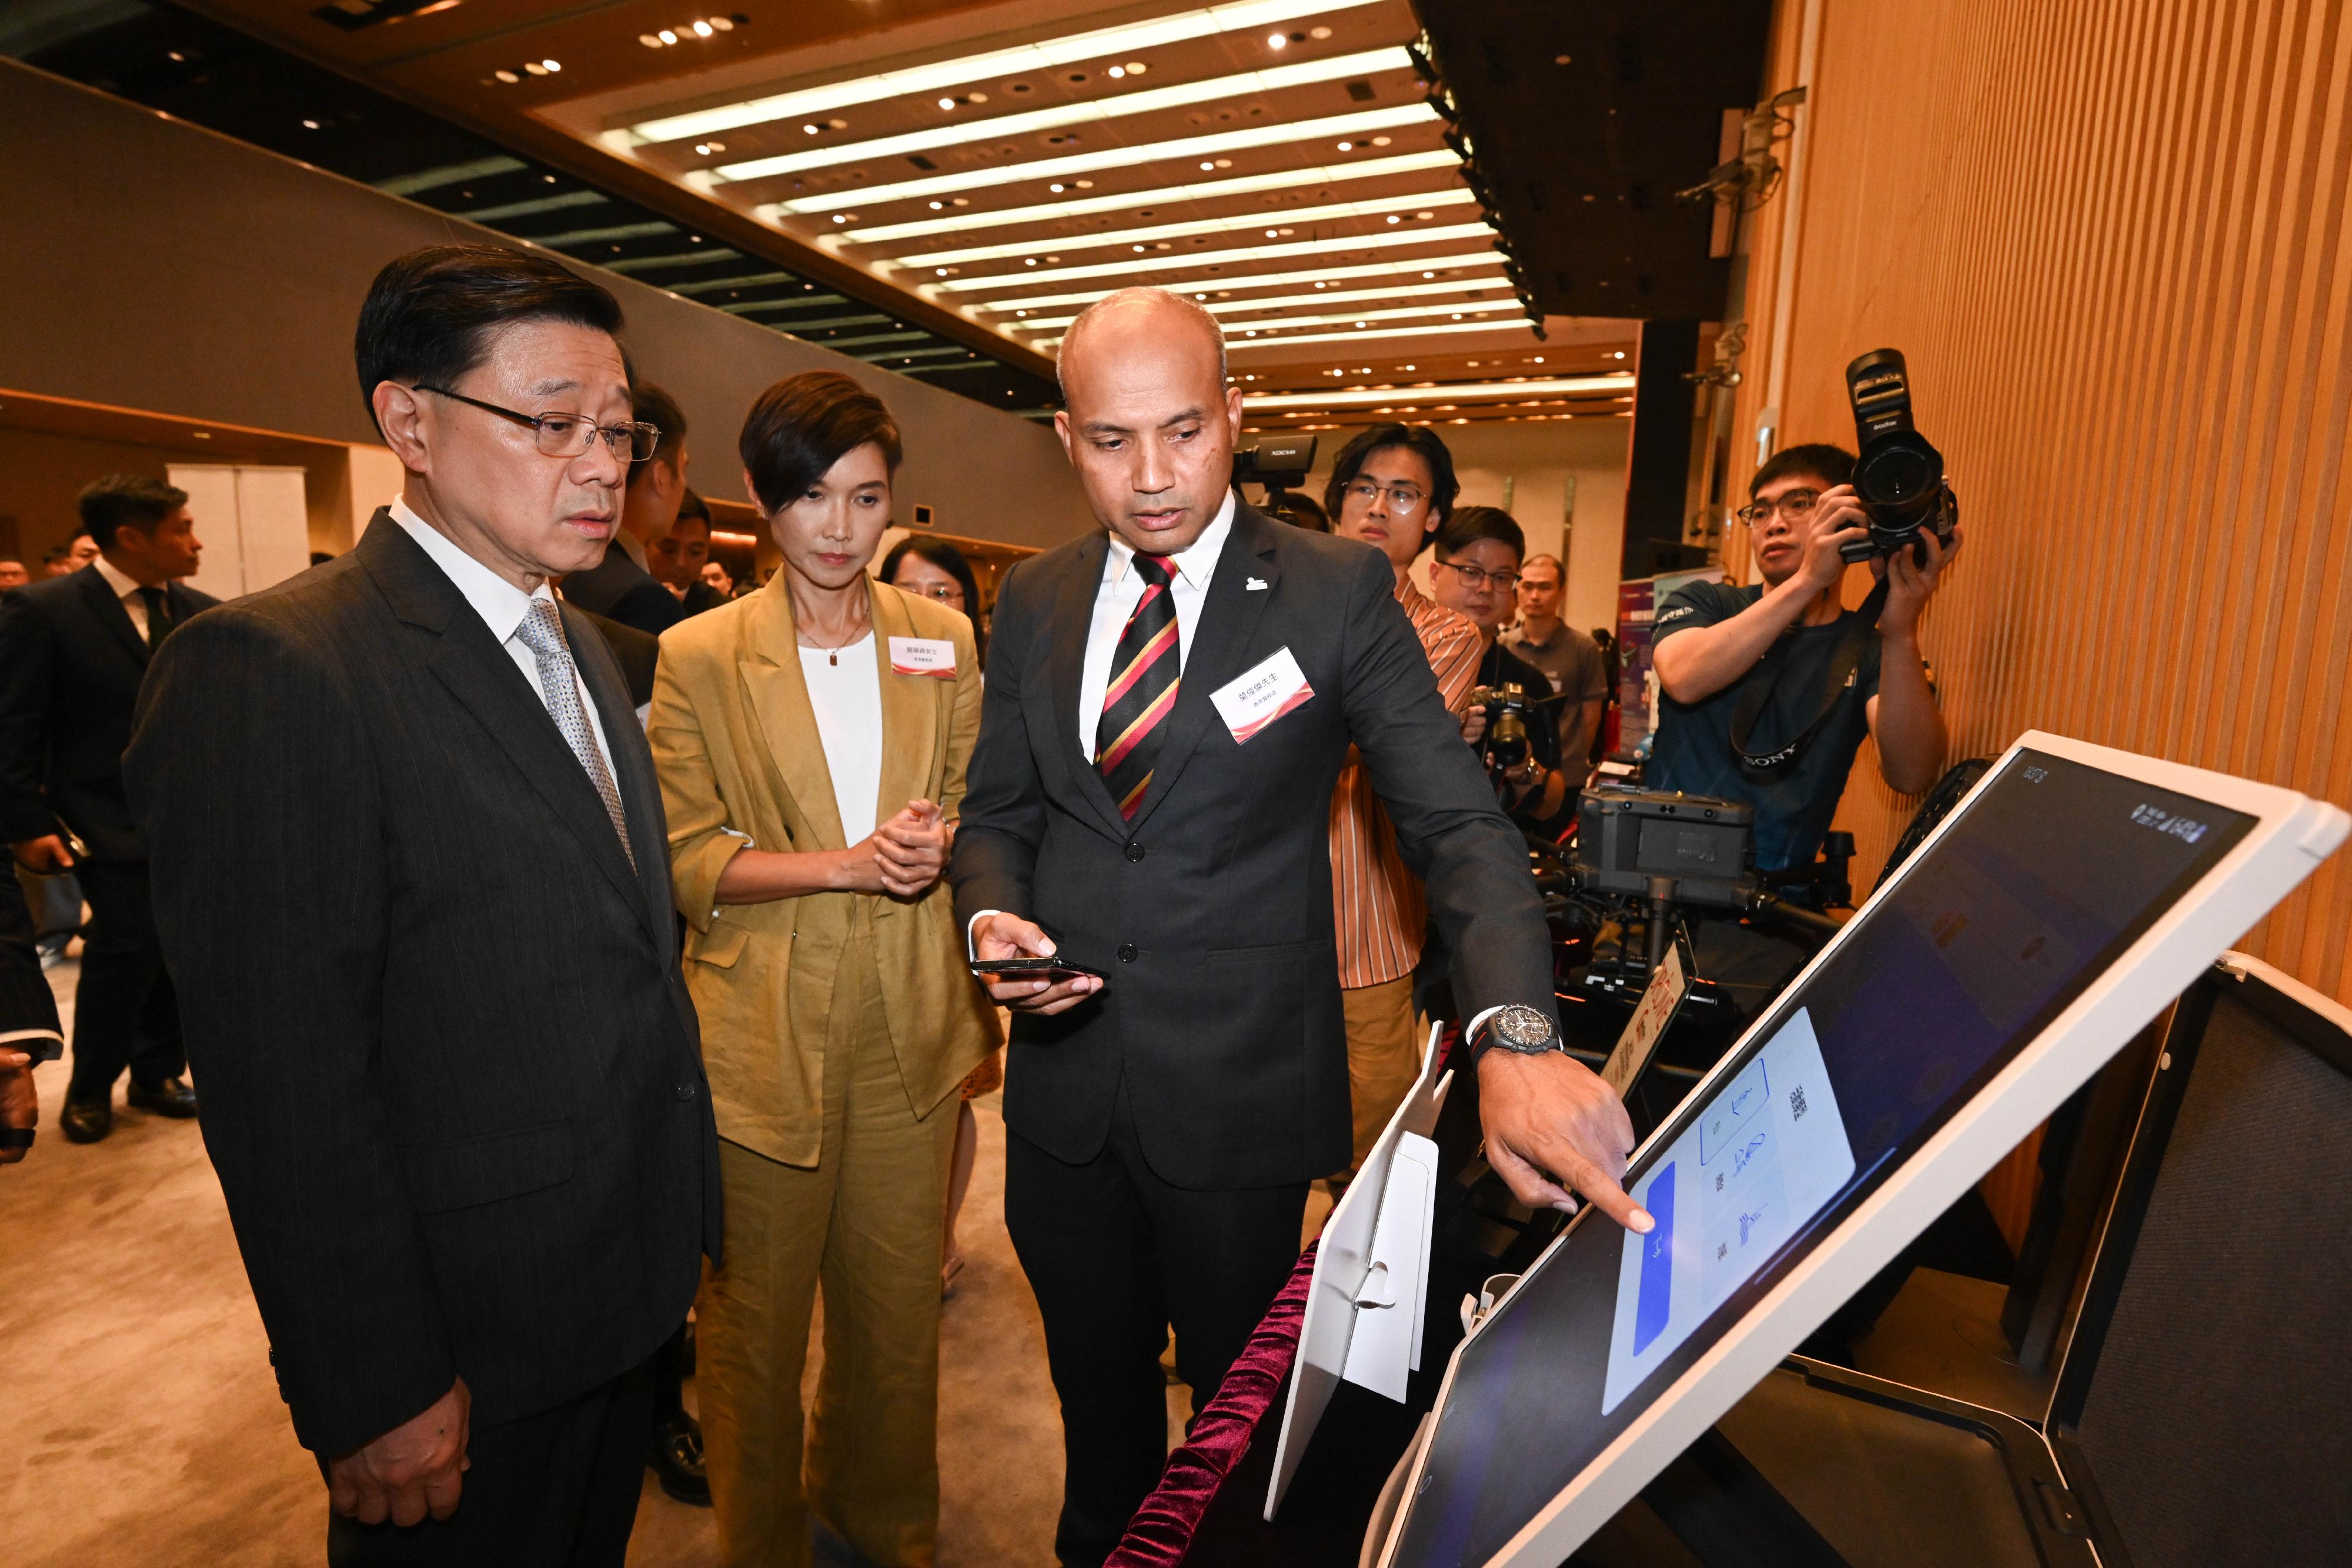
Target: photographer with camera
(1509, 721)
(1765, 693)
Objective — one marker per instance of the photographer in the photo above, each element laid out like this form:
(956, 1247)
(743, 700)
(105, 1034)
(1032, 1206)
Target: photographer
(1476, 574)
(1788, 665)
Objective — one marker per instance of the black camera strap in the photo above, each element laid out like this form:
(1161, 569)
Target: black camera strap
(1765, 679)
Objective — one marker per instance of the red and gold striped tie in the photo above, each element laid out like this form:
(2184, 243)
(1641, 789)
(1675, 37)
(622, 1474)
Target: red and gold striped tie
(1142, 689)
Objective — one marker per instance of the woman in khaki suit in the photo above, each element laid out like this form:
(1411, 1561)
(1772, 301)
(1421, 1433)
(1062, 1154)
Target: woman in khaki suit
(812, 738)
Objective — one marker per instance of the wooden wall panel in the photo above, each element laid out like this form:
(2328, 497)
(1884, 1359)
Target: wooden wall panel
(2113, 239)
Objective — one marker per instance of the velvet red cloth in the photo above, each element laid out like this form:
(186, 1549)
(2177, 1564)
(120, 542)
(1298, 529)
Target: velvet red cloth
(1161, 1532)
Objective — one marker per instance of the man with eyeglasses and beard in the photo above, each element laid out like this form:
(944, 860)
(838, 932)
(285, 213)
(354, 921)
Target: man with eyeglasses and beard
(1811, 676)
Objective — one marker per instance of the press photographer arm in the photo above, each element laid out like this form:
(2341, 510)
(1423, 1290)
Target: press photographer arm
(1912, 742)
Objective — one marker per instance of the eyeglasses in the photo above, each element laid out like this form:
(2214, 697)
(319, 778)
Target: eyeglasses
(1794, 505)
(569, 434)
(1404, 499)
(1476, 580)
(944, 593)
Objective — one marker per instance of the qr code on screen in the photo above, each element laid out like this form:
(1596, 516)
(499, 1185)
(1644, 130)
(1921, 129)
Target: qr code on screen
(1797, 1103)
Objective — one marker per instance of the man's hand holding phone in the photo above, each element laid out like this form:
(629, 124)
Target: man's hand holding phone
(996, 936)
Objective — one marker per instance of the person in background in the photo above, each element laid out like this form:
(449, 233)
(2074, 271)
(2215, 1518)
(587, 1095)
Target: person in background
(718, 578)
(1392, 488)
(1299, 511)
(1605, 734)
(412, 875)
(811, 741)
(1566, 656)
(13, 575)
(1475, 573)
(73, 651)
(29, 1031)
(677, 557)
(932, 569)
(71, 556)
(622, 585)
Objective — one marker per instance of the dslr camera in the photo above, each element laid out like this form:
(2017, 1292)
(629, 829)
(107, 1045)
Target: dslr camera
(1508, 712)
(1279, 465)
(1897, 476)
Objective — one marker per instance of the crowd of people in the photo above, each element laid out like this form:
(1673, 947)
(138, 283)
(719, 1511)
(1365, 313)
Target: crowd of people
(564, 937)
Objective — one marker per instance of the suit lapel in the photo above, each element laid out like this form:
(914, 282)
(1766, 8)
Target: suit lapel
(1072, 618)
(111, 613)
(480, 675)
(1221, 647)
(910, 711)
(779, 694)
(633, 766)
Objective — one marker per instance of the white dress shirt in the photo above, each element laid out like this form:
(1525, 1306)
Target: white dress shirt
(1123, 590)
(846, 694)
(127, 591)
(501, 605)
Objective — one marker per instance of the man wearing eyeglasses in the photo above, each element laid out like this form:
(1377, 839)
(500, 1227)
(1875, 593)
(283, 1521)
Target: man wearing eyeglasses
(1392, 488)
(412, 880)
(1475, 573)
(1786, 665)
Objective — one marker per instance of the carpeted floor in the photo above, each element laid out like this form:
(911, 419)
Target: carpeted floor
(140, 1425)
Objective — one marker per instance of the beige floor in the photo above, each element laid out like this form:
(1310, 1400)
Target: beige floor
(139, 1426)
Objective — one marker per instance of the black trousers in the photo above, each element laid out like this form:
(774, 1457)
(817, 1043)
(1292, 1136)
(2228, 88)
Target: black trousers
(1116, 1256)
(26, 1001)
(558, 1489)
(125, 1012)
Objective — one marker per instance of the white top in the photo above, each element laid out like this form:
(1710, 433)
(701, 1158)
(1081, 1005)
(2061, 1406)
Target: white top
(1121, 592)
(501, 605)
(126, 590)
(848, 698)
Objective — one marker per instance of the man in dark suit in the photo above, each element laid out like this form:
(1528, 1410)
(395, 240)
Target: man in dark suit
(412, 875)
(1174, 834)
(677, 557)
(622, 586)
(72, 653)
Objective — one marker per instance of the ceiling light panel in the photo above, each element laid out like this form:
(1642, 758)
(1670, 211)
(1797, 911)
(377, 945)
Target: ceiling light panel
(1293, 301)
(965, 180)
(931, 139)
(1343, 319)
(1427, 200)
(1169, 261)
(1166, 195)
(1519, 324)
(1399, 270)
(1245, 17)
(1369, 397)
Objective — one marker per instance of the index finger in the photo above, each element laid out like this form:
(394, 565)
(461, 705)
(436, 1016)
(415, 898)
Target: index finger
(1608, 1196)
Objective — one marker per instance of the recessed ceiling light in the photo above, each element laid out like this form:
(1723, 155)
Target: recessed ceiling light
(550, 66)
(1319, 34)
(1347, 147)
(1385, 271)
(947, 103)
(812, 128)
(650, 40)
(702, 30)
(534, 67)
(507, 77)
(1277, 41)
(310, 125)
(668, 37)
(1115, 72)
(1262, 253)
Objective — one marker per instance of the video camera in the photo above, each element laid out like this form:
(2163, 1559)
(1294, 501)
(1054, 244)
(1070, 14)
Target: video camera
(1898, 476)
(1509, 711)
(1280, 464)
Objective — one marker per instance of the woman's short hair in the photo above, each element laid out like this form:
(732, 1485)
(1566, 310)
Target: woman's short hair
(803, 425)
(947, 558)
(1468, 524)
(429, 314)
(1417, 439)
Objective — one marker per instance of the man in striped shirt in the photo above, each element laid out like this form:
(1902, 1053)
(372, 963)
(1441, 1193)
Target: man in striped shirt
(1392, 488)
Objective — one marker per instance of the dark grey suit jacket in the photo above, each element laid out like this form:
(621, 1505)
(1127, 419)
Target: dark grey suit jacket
(1212, 911)
(453, 1084)
(70, 665)
(620, 589)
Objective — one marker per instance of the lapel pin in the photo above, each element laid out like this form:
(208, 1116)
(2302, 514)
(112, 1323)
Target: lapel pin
(1255, 584)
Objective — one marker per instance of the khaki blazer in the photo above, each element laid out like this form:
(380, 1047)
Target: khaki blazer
(736, 745)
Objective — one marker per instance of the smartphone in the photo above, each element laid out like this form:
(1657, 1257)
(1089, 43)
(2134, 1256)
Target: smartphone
(1056, 971)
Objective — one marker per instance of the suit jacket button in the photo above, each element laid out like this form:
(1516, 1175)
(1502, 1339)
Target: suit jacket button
(1126, 952)
(1135, 852)
(686, 1089)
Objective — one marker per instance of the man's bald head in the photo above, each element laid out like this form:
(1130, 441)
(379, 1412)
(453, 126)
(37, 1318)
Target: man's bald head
(1147, 417)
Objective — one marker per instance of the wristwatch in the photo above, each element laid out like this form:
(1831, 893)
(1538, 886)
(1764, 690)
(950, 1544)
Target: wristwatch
(1519, 1029)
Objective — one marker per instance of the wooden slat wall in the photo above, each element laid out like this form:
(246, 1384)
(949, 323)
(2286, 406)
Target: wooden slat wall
(2111, 237)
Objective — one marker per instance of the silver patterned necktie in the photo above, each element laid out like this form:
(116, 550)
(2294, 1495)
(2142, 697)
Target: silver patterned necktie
(542, 631)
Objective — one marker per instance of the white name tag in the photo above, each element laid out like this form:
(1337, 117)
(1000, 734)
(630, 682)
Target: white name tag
(923, 656)
(1261, 695)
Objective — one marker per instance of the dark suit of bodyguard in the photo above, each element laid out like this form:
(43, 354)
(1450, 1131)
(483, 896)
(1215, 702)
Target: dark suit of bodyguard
(1163, 1130)
(427, 956)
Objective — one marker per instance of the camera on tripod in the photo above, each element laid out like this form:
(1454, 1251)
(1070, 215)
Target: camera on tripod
(1898, 476)
(1506, 746)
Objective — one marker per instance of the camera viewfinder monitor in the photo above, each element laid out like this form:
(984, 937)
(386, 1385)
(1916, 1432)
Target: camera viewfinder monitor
(2072, 895)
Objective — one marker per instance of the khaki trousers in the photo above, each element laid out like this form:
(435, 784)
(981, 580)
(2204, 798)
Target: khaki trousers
(865, 1223)
(1384, 1056)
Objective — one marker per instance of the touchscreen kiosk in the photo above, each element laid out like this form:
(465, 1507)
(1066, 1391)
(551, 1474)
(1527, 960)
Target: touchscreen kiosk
(2053, 914)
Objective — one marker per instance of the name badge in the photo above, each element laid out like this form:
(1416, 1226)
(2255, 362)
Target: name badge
(932, 656)
(1262, 694)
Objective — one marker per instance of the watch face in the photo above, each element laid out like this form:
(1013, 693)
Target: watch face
(1523, 1029)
